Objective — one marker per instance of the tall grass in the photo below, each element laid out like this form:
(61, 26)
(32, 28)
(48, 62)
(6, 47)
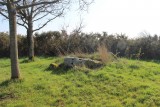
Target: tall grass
(103, 53)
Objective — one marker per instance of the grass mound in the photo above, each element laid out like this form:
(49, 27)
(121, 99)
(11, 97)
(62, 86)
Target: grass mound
(118, 84)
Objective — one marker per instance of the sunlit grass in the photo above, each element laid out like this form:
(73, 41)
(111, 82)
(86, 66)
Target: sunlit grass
(120, 83)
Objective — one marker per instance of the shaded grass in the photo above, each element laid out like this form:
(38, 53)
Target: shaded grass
(122, 83)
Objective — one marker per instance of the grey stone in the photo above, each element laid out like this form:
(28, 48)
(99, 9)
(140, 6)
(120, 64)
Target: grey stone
(74, 61)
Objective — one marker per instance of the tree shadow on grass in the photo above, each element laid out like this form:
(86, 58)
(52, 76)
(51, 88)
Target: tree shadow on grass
(134, 66)
(5, 96)
(26, 61)
(62, 69)
(152, 60)
(8, 95)
(6, 83)
(156, 61)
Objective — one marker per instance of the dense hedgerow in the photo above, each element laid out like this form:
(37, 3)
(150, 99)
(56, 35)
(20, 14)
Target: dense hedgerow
(54, 43)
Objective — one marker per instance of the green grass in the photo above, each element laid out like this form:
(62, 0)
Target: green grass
(129, 83)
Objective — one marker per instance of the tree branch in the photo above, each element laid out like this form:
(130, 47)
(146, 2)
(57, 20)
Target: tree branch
(4, 15)
(40, 17)
(3, 3)
(22, 25)
(47, 22)
(35, 4)
(16, 1)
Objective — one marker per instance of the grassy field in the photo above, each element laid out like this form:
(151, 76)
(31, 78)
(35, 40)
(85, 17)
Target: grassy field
(129, 83)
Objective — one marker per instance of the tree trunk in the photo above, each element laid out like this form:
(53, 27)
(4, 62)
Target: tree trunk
(30, 40)
(15, 73)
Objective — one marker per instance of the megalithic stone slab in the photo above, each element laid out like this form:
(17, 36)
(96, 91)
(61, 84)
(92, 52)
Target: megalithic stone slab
(74, 61)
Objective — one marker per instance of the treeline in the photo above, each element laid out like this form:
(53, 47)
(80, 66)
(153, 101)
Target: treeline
(56, 43)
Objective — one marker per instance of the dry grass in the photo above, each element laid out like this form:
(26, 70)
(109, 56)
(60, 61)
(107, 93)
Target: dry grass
(79, 54)
(103, 53)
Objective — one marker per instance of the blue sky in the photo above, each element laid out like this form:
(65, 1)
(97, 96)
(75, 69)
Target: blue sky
(113, 16)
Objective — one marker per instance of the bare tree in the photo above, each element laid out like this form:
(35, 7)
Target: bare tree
(9, 9)
(27, 17)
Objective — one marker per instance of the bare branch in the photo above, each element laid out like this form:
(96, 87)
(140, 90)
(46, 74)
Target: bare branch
(83, 4)
(35, 4)
(32, 8)
(49, 20)
(3, 3)
(4, 15)
(38, 8)
(23, 20)
(27, 9)
(22, 25)
(79, 28)
(41, 17)
(16, 1)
